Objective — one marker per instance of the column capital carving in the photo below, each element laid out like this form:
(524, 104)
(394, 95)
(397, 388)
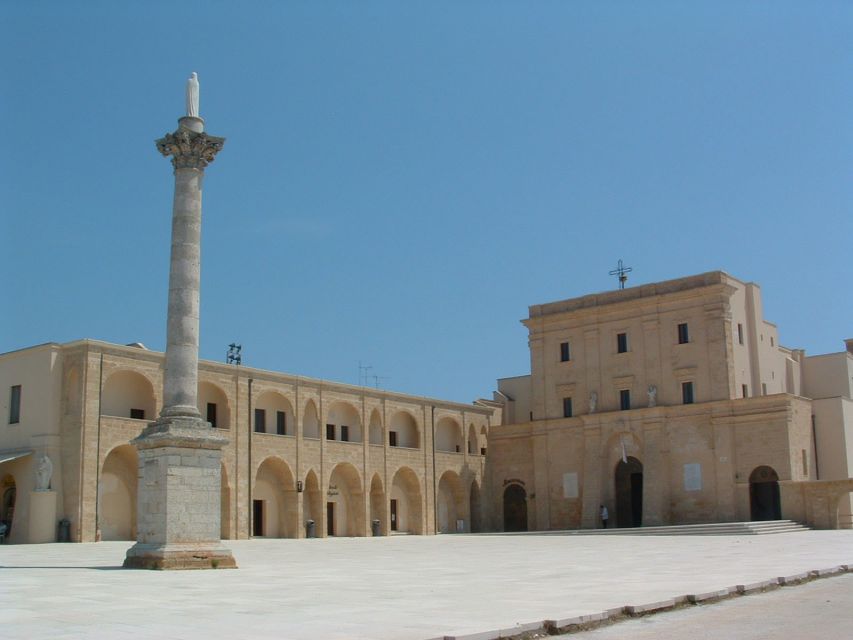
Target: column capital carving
(190, 150)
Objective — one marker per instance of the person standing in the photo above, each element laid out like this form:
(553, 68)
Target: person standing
(602, 511)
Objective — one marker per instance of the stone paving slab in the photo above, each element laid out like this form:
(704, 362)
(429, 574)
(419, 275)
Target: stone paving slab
(406, 587)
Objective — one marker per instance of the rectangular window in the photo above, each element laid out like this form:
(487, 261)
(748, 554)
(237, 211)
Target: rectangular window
(137, 414)
(211, 413)
(260, 421)
(625, 399)
(344, 433)
(457, 449)
(280, 423)
(745, 390)
(482, 451)
(565, 352)
(621, 342)
(15, 405)
(739, 333)
(330, 432)
(392, 438)
(683, 335)
(687, 392)
(567, 407)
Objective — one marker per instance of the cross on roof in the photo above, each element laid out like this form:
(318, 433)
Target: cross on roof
(622, 271)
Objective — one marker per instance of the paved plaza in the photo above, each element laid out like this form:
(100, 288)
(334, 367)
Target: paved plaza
(406, 587)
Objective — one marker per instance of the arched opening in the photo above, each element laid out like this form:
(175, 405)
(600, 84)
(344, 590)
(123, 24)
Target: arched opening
(451, 504)
(475, 507)
(311, 500)
(128, 394)
(628, 490)
(273, 413)
(343, 420)
(224, 504)
(375, 428)
(274, 500)
(448, 435)
(473, 448)
(345, 502)
(117, 494)
(377, 503)
(844, 511)
(310, 421)
(483, 440)
(406, 502)
(7, 506)
(403, 431)
(764, 501)
(515, 508)
(213, 405)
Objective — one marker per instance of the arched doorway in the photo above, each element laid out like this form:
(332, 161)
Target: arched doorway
(474, 499)
(628, 490)
(451, 503)
(274, 500)
(312, 501)
(515, 508)
(345, 502)
(7, 507)
(117, 494)
(764, 502)
(377, 503)
(405, 505)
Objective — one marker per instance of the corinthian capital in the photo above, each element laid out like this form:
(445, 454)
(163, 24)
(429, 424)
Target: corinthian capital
(190, 149)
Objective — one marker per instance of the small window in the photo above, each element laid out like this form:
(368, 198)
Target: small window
(687, 392)
(330, 432)
(15, 405)
(457, 449)
(683, 335)
(567, 407)
(211, 413)
(482, 451)
(745, 390)
(260, 421)
(280, 423)
(625, 399)
(565, 352)
(344, 433)
(739, 333)
(772, 341)
(137, 414)
(392, 438)
(621, 342)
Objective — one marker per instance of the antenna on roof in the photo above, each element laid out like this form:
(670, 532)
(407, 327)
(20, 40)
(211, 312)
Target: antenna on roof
(622, 271)
(362, 373)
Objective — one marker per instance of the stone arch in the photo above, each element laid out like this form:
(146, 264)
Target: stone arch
(406, 502)
(273, 413)
(8, 498)
(628, 492)
(375, 428)
(310, 421)
(475, 507)
(117, 494)
(345, 502)
(274, 512)
(403, 430)
(224, 504)
(128, 394)
(452, 504)
(312, 503)
(764, 499)
(473, 441)
(483, 440)
(377, 504)
(346, 421)
(448, 435)
(515, 508)
(213, 405)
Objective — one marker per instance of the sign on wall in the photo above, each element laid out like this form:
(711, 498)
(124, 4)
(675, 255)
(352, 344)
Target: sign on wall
(570, 485)
(693, 477)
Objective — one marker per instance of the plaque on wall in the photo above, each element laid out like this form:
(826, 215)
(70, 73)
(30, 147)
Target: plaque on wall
(693, 477)
(570, 485)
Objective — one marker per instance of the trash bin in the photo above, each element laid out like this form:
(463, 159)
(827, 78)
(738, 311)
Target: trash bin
(64, 530)
(310, 529)
(375, 527)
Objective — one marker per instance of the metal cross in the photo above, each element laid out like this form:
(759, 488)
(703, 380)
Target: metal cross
(622, 271)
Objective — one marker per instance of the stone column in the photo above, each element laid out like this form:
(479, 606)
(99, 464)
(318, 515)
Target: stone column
(178, 504)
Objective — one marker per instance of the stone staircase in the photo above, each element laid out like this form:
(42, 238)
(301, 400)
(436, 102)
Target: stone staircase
(710, 529)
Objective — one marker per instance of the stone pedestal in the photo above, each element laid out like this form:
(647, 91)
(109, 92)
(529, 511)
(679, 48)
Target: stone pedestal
(42, 520)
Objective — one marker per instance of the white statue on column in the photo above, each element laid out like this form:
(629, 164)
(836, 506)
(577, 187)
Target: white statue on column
(44, 470)
(192, 95)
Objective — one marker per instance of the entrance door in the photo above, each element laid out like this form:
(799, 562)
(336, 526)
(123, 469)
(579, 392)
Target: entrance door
(7, 508)
(393, 515)
(628, 489)
(257, 517)
(764, 501)
(515, 508)
(330, 518)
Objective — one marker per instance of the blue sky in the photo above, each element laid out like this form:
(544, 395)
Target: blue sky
(401, 180)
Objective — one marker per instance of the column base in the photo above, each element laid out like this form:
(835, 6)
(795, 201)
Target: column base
(179, 557)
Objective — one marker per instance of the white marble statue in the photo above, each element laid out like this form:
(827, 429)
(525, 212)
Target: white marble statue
(192, 95)
(653, 395)
(593, 401)
(44, 470)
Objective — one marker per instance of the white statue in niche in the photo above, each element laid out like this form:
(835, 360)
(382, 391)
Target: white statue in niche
(593, 401)
(653, 395)
(44, 470)
(192, 95)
